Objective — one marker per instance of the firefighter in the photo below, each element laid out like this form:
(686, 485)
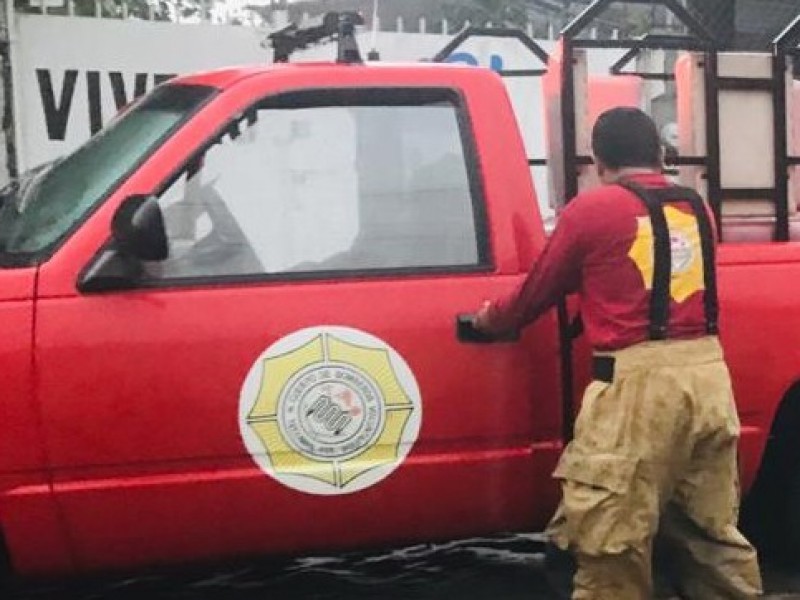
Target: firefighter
(655, 442)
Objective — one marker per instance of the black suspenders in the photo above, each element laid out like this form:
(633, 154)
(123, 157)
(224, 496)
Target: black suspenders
(654, 199)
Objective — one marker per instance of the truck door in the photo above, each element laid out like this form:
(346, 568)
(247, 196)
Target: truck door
(290, 378)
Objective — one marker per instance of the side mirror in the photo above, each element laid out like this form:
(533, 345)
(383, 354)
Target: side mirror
(138, 233)
(138, 229)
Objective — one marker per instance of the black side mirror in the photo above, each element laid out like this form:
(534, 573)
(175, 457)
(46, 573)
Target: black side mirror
(138, 233)
(138, 229)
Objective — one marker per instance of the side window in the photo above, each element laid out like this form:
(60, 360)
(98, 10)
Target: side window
(296, 187)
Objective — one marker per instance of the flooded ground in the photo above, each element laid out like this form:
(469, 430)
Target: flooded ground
(509, 567)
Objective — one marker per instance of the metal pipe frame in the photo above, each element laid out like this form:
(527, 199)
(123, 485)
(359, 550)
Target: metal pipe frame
(655, 42)
(579, 24)
(701, 39)
(784, 49)
(499, 32)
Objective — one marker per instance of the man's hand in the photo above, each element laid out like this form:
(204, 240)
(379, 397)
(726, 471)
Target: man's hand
(481, 322)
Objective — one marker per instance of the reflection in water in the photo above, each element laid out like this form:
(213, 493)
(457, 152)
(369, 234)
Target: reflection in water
(505, 567)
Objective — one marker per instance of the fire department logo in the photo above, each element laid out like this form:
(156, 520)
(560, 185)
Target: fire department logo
(329, 410)
(681, 251)
(686, 252)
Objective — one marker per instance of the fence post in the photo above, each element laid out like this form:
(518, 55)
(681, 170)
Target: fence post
(11, 108)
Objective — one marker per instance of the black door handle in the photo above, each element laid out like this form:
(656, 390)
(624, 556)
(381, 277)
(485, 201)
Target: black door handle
(467, 333)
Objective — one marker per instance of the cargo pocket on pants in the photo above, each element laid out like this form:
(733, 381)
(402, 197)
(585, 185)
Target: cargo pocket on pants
(598, 510)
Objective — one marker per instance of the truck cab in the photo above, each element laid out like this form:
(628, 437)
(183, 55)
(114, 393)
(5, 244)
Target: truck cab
(230, 324)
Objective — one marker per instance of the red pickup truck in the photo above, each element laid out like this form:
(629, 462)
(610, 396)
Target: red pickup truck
(230, 326)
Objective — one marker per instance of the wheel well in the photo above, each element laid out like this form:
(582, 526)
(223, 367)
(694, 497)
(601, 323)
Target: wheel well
(782, 451)
(765, 507)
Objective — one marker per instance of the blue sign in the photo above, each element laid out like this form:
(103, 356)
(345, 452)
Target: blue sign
(495, 60)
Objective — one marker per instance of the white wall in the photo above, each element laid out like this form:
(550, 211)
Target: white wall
(60, 49)
(66, 71)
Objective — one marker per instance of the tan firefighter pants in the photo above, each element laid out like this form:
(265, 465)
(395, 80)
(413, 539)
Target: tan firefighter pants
(656, 449)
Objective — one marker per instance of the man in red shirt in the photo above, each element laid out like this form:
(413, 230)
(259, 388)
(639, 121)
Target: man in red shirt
(655, 446)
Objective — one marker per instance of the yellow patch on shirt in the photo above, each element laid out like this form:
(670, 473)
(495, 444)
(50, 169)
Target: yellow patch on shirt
(686, 250)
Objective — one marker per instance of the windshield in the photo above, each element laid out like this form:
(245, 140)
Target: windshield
(43, 206)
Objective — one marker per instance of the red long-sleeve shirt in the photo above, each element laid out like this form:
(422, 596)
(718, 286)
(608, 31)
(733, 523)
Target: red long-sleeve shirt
(601, 248)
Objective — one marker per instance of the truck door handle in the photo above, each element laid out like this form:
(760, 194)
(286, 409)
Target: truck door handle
(466, 332)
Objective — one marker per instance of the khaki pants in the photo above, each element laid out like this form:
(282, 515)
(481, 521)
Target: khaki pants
(655, 451)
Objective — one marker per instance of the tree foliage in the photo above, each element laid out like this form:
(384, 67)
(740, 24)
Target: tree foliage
(497, 12)
(158, 10)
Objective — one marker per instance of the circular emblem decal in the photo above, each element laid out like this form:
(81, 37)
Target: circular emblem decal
(329, 410)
